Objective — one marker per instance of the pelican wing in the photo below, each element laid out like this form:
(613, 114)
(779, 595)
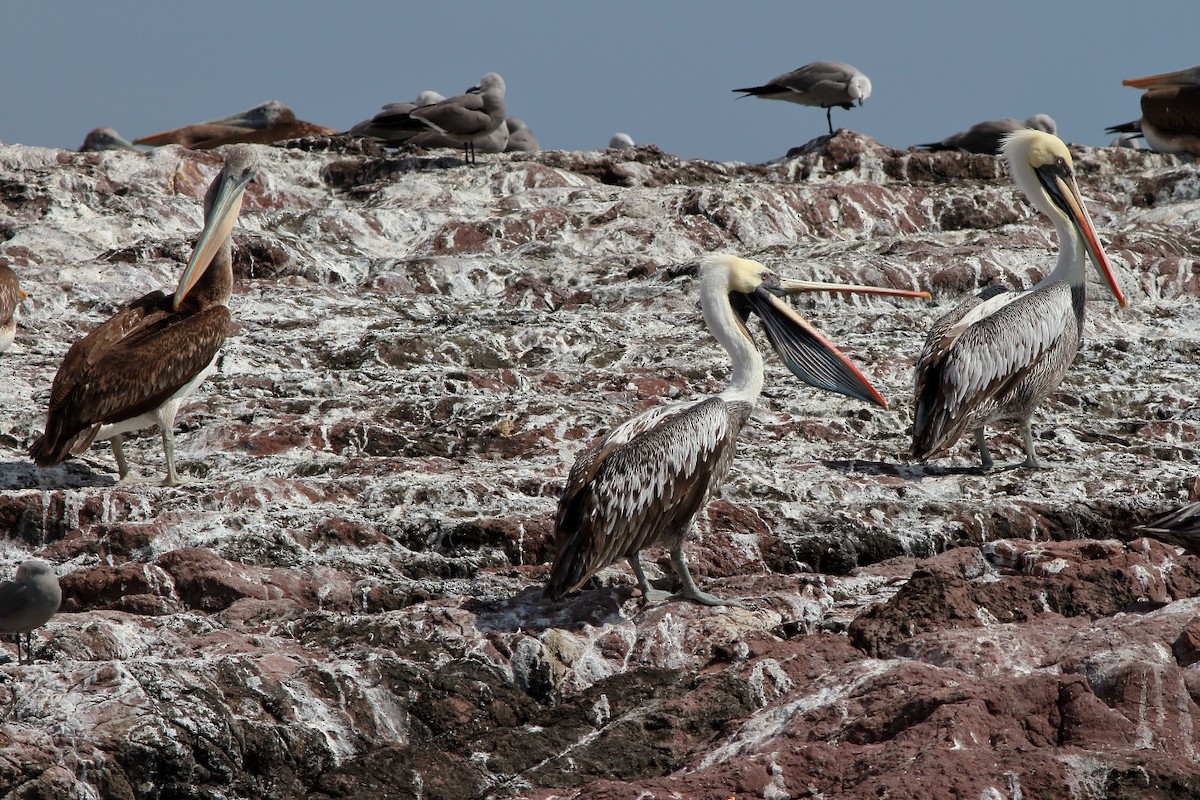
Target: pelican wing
(974, 356)
(641, 485)
(128, 366)
(1173, 109)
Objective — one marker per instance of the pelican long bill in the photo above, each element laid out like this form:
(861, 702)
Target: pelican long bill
(220, 224)
(805, 351)
(1065, 194)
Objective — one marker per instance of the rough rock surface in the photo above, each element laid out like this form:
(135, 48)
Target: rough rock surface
(345, 599)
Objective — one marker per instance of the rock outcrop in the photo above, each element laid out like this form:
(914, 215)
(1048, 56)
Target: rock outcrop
(345, 599)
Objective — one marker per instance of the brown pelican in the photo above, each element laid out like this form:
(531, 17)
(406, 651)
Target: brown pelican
(267, 122)
(28, 601)
(641, 484)
(998, 355)
(1180, 527)
(465, 118)
(134, 370)
(987, 137)
(11, 296)
(1170, 119)
(104, 139)
(821, 83)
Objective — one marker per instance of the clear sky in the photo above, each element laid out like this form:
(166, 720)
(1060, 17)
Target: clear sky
(578, 72)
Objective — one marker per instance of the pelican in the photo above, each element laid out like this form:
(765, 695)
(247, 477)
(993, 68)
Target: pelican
(998, 355)
(11, 296)
(104, 139)
(821, 83)
(134, 370)
(28, 601)
(1170, 119)
(641, 484)
(987, 137)
(1180, 528)
(267, 122)
(465, 118)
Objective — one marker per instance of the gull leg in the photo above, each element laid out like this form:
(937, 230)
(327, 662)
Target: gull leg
(1031, 459)
(648, 595)
(984, 453)
(829, 118)
(690, 590)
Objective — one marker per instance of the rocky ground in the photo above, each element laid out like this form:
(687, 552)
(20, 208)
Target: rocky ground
(344, 601)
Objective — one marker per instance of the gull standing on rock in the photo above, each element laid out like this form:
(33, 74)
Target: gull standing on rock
(999, 355)
(28, 602)
(643, 483)
(822, 83)
(987, 137)
(135, 369)
(465, 118)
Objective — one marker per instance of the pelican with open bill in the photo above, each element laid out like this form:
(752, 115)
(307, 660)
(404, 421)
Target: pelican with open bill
(135, 369)
(998, 355)
(643, 483)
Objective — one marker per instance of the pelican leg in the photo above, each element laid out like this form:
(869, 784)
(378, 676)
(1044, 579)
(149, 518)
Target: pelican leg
(1031, 459)
(118, 447)
(690, 590)
(648, 595)
(168, 440)
(984, 453)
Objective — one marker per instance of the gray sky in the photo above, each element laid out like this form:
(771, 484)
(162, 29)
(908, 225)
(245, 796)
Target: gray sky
(577, 72)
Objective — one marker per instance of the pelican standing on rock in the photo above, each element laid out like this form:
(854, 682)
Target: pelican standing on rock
(134, 370)
(1170, 119)
(28, 602)
(998, 355)
(822, 83)
(642, 484)
(11, 296)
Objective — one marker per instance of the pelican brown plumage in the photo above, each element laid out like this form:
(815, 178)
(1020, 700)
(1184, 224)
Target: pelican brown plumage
(134, 370)
(267, 122)
(642, 484)
(11, 296)
(998, 355)
(1170, 120)
(822, 83)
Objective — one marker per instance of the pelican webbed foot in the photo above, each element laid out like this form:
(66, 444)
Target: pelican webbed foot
(690, 590)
